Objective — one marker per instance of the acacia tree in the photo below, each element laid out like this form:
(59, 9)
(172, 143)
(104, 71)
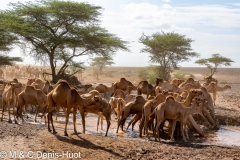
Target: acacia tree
(6, 42)
(167, 50)
(57, 32)
(214, 62)
(101, 62)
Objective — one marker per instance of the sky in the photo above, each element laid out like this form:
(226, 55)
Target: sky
(213, 25)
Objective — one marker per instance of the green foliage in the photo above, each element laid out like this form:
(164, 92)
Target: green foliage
(57, 32)
(6, 60)
(149, 74)
(214, 62)
(167, 50)
(101, 62)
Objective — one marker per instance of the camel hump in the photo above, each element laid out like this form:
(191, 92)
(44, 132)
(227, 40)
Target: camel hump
(170, 98)
(122, 79)
(29, 89)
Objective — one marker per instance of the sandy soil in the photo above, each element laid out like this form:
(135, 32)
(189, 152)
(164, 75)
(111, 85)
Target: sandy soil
(33, 141)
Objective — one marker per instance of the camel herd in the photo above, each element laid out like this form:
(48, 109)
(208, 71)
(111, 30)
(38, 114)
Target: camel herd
(166, 107)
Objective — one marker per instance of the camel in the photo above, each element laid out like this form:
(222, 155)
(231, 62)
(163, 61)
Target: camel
(101, 88)
(30, 81)
(147, 110)
(134, 107)
(47, 87)
(214, 88)
(103, 108)
(8, 98)
(85, 88)
(32, 96)
(172, 87)
(176, 81)
(118, 104)
(175, 111)
(119, 93)
(124, 85)
(145, 88)
(38, 83)
(63, 95)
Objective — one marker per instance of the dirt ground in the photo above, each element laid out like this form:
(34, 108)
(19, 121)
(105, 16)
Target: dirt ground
(33, 141)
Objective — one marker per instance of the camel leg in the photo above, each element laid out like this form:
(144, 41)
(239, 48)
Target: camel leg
(214, 98)
(173, 128)
(9, 112)
(83, 118)
(141, 125)
(182, 128)
(67, 119)
(74, 119)
(132, 120)
(108, 124)
(37, 110)
(195, 125)
(48, 115)
(14, 113)
(209, 117)
(157, 133)
(3, 106)
(138, 117)
(57, 112)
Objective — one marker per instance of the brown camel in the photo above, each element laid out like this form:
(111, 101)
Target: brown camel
(124, 85)
(85, 88)
(8, 98)
(103, 108)
(63, 95)
(32, 96)
(147, 110)
(134, 107)
(119, 93)
(145, 88)
(175, 111)
(101, 88)
(214, 88)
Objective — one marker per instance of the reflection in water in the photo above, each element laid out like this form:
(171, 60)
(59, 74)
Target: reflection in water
(226, 135)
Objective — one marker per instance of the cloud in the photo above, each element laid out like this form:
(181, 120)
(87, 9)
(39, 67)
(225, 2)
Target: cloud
(167, 1)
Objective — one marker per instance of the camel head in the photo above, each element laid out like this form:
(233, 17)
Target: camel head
(227, 86)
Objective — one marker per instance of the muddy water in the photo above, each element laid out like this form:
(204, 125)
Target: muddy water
(226, 135)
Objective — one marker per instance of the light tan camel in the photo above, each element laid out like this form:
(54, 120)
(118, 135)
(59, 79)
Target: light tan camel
(8, 98)
(134, 107)
(214, 88)
(145, 88)
(189, 80)
(147, 110)
(176, 81)
(174, 111)
(32, 96)
(172, 87)
(30, 81)
(101, 88)
(124, 85)
(117, 104)
(63, 95)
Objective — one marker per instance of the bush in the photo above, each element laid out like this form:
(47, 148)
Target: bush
(149, 74)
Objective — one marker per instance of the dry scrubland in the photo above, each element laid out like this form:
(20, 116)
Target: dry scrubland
(33, 137)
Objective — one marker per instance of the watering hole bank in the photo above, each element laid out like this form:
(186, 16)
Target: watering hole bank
(226, 135)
